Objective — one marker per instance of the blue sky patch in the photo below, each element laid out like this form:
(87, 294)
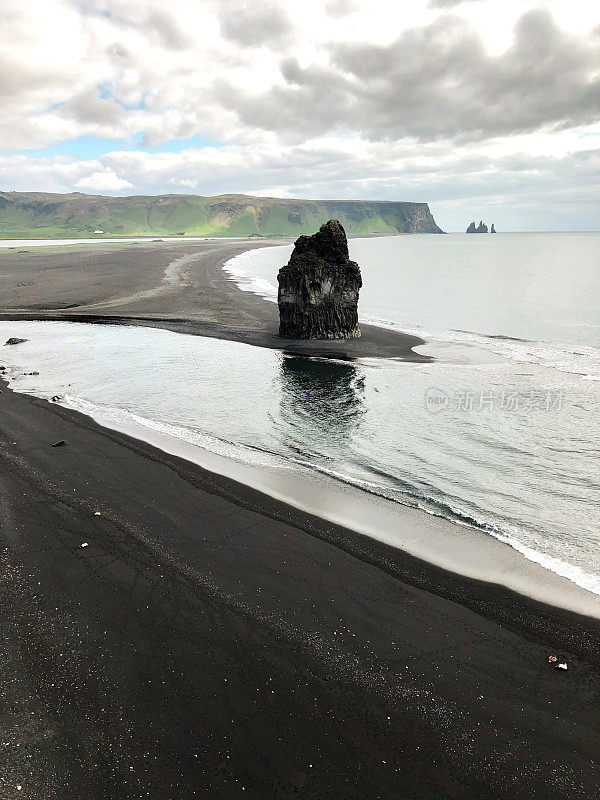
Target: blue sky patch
(86, 147)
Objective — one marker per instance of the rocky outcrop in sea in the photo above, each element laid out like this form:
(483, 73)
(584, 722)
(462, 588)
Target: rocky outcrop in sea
(318, 288)
(481, 228)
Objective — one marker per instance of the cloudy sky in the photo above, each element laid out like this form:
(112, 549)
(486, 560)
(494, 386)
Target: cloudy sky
(483, 108)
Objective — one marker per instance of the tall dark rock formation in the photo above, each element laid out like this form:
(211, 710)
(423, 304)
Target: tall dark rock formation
(318, 288)
(492, 229)
(472, 228)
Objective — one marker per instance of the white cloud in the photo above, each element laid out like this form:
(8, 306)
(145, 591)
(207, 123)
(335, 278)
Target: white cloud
(107, 181)
(345, 98)
(116, 68)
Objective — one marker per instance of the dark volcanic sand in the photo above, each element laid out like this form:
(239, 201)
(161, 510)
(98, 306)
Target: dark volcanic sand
(212, 642)
(210, 638)
(113, 284)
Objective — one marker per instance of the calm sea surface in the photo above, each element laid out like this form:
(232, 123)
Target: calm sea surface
(502, 432)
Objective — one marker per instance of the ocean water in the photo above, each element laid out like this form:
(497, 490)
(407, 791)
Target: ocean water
(501, 433)
(539, 287)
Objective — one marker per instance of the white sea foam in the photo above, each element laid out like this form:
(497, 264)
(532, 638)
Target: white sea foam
(581, 360)
(110, 416)
(240, 269)
(586, 580)
(578, 576)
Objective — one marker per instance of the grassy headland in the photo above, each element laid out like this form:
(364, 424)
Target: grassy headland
(41, 215)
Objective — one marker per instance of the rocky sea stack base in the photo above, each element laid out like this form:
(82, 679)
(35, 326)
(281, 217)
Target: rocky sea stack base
(318, 288)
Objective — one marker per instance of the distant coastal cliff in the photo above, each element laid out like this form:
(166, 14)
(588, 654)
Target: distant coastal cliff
(37, 214)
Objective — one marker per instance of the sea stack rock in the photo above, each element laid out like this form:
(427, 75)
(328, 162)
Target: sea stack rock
(318, 288)
(492, 229)
(481, 228)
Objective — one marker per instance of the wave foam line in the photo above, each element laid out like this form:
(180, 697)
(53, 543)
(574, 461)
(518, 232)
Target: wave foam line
(261, 458)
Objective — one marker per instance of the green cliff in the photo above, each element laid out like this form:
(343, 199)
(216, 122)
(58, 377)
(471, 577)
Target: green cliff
(39, 215)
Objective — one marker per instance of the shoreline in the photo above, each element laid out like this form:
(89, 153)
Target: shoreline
(206, 302)
(460, 548)
(277, 492)
(189, 578)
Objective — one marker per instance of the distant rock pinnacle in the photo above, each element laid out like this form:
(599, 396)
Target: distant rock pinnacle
(481, 228)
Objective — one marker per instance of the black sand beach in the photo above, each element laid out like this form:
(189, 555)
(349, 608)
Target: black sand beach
(209, 641)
